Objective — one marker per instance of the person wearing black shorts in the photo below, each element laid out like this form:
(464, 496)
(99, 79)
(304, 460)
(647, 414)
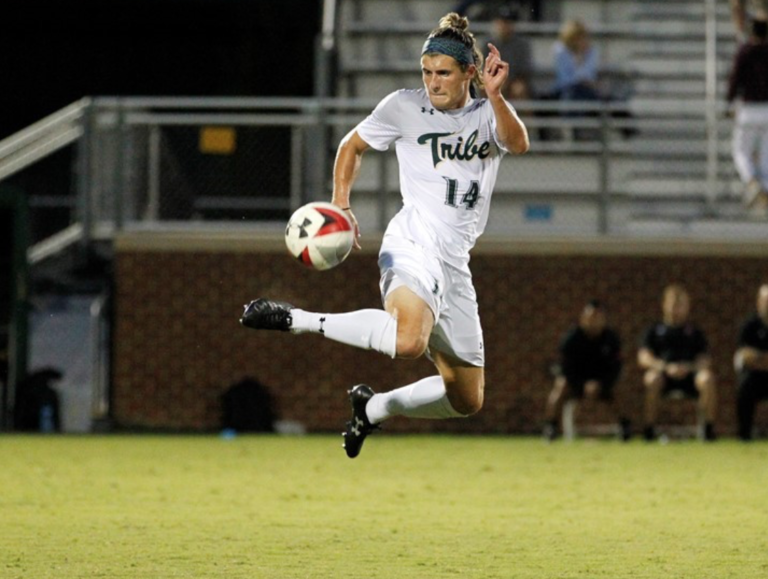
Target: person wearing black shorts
(590, 364)
(674, 358)
(751, 362)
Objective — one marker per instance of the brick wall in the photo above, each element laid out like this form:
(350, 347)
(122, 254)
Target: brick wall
(178, 344)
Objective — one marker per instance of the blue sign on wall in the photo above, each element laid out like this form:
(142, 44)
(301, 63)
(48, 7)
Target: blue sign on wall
(538, 212)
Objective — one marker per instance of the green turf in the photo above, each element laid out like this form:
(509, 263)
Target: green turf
(408, 507)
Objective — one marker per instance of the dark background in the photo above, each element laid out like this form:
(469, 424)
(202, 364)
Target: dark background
(55, 52)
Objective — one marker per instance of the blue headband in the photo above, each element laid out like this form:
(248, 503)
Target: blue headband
(453, 48)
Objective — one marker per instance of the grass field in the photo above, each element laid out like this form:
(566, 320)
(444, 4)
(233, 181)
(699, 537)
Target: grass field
(408, 507)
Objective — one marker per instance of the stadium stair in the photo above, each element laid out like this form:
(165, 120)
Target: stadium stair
(654, 53)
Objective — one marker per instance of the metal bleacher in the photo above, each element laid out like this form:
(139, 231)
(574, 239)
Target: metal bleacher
(674, 178)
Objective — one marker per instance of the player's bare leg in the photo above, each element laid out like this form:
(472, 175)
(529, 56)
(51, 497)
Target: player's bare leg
(455, 392)
(464, 383)
(653, 380)
(554, 409)
(414, 322)
(705, 384)
(593, 390)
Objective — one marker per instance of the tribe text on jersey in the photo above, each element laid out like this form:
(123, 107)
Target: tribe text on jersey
(448, 162)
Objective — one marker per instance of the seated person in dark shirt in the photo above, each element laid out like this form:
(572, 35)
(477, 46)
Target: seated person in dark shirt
(517, 52)
(674, 358)
(751, 363)
(590, 363)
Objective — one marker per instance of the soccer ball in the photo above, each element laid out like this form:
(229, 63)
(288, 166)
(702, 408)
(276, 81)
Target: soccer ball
(319, 235)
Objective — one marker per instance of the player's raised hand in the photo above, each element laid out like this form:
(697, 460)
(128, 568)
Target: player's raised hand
(495, 72)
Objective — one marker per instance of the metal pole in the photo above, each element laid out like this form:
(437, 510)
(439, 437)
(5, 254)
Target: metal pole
(315, 147)
(324, 61)
(18, 337)
(297, 185)
(121, 173)
(85, 151)
(604, 199)
(325, 49)
(153, 175)
(711, 101)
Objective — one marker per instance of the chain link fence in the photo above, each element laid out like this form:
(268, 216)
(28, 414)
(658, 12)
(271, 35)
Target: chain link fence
(593, 169)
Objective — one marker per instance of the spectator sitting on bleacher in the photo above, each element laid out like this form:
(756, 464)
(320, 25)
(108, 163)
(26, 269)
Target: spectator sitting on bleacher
(576, 62)
(517, 51)
(749, 81)
(577, 69)
(674, 359)
(751, 362)
(590, 363)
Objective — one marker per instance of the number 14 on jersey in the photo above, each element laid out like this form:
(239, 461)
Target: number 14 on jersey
(468, 199)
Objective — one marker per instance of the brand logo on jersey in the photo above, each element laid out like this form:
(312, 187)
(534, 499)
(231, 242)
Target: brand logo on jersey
(426, 110)
(460, 150)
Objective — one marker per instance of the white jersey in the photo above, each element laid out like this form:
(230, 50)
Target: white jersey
(448, 165)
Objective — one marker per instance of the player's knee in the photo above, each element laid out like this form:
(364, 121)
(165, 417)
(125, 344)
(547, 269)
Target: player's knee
(411, 347)
(468, 406)
(468, 403)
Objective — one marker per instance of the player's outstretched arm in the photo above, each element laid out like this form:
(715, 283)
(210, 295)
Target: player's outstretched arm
(509, 128)
(345, 170)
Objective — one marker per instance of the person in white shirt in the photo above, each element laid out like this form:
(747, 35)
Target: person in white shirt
(449, 145)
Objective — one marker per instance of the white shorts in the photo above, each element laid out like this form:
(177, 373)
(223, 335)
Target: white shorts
(447, 290)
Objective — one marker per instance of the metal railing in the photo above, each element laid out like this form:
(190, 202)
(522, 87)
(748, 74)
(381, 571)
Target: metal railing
(152, 162)
(41, 139)
(146, 167)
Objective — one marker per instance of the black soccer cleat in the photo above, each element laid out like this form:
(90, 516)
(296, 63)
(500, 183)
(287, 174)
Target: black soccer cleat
(359, 427)
(264, 314)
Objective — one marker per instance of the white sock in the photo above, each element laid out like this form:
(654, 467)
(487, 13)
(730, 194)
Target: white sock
(423, 399)
(367, 329)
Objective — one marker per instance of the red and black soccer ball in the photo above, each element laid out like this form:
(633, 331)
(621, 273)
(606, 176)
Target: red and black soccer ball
(319, 235)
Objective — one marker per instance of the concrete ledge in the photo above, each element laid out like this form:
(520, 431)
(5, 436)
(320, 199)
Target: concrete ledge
(247, 240)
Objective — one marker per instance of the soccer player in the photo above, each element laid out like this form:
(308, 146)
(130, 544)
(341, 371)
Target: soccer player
(674, 357)
(449, 145)
(590, 364)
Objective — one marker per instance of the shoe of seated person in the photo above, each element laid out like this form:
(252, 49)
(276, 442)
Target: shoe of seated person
(709, 432)
(549, 432)
(649, 433)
